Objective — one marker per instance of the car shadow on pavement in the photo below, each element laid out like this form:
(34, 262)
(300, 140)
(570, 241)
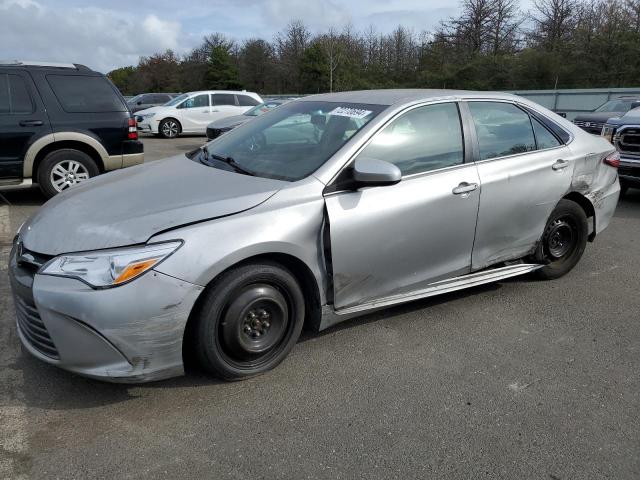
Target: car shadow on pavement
(22, 197)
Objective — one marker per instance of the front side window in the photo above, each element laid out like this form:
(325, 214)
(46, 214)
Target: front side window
(14, 95)
(224, 99)
(85, 94)
(502, 129)
(292, 141)
(198, 101)
(423, 139)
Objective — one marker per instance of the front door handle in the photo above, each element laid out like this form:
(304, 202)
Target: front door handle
(215, 111)
(464, 187)
(31, 123)
(560, 164)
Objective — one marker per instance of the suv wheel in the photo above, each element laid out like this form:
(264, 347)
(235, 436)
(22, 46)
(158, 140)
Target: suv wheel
(169, 128)
(62, 169)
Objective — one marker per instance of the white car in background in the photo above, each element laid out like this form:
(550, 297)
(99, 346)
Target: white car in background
(192, 112)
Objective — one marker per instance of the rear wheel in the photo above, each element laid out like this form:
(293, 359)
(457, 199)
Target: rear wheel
(169, 128)
(564, 240)
(249, 321)
(62, 169)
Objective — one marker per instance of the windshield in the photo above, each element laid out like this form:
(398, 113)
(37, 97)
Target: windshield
(135, 99)
(176, 100)
(262, 108)
(292, 141)
(616, 106)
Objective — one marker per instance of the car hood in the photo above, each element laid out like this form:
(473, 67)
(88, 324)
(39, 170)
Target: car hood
(129, 206)
(599, 117)
(227, 122)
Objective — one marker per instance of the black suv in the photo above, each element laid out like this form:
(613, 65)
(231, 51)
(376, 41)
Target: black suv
(61, 124)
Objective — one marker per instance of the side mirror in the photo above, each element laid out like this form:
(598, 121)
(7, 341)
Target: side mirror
(635, 105)
(370, 172)
(139, 102)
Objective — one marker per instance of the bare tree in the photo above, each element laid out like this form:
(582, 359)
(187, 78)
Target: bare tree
(554, 21)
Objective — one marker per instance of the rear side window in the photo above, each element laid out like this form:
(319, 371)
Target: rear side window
(502, 129)
(84, 94)
(544, 138)
(224, 99)
(14, 95)
(247, 101)
(423, 139)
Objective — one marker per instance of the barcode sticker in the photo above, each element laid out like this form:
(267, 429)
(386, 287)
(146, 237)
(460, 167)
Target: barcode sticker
(349, 112)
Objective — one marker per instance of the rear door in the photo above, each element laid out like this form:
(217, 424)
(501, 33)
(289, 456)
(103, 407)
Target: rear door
(224, 105)
(524, 170)
(23, 120)
(396, 239)
(195, 113)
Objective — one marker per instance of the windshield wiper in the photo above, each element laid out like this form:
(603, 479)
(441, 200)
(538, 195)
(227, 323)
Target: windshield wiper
(228, 160)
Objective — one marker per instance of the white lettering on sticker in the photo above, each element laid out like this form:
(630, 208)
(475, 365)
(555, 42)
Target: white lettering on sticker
(349, 112)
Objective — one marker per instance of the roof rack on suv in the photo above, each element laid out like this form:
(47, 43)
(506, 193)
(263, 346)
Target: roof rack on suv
(26, 63)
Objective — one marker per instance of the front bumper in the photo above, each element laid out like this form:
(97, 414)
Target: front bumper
(147, 125)
(132, 333)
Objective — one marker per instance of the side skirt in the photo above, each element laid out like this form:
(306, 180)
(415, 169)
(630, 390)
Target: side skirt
(331, 317)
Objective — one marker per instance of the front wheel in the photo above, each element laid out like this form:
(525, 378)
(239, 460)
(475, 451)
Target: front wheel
(250, 319)
(564, 240)
(169, 128)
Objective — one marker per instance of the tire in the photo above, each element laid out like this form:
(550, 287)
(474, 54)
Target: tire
(62, 169)
(169, 128)
(249, 320)
(563, 241)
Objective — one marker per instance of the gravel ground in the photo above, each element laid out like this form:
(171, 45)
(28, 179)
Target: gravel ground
(520, 379)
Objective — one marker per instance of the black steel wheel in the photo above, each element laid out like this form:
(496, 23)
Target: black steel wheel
(564, 240)
(249, 320)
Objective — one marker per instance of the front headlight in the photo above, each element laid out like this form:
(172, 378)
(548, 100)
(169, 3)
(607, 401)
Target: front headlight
(607, 132)
(147, 115)
(110, 268)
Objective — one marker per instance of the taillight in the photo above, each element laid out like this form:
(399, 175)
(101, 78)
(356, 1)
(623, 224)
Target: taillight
(613, 160)
(133, 131)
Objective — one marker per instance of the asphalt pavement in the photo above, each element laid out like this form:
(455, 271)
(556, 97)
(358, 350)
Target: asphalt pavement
(520, 379)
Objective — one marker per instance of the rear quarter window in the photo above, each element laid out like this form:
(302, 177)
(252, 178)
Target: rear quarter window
(247, 101)
(85, 94)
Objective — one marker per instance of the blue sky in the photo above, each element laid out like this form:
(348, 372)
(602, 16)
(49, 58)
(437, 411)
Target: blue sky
(112, 33)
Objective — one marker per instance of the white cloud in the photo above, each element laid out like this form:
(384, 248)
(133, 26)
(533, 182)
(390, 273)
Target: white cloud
(99, 38)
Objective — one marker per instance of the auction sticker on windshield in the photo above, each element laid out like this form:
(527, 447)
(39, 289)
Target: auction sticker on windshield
(349, 112)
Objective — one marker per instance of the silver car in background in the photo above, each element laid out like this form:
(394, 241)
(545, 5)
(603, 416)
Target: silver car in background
(328, 207)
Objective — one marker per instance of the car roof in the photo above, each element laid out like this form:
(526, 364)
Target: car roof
(235, 92)
(400, 96)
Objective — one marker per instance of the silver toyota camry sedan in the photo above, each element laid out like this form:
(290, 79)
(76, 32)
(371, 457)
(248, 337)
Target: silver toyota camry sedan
(328, 207)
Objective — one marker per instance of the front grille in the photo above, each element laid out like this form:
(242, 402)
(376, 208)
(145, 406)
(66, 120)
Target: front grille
(591, 127)
(33, 329)
(628, 140)
(629, 171)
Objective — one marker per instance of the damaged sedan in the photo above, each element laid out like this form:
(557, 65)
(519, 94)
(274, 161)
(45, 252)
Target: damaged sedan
(326, 208)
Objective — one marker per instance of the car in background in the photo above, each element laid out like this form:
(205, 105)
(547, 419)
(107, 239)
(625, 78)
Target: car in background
(148, 100)
(218, 127)
(192, 112)
(624, 133)
(60, 124)
(594, 121)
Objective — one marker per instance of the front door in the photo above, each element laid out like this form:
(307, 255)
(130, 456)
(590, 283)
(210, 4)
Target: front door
(524, 170)
(195, 113)
(391, 240)
(22, 120)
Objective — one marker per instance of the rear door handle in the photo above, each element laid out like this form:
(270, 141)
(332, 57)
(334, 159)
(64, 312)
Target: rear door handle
(560, 164)
(214, 111)
(464, 187)
(31, 123)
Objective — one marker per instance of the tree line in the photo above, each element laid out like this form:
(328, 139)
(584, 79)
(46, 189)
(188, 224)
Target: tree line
(489, 45)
